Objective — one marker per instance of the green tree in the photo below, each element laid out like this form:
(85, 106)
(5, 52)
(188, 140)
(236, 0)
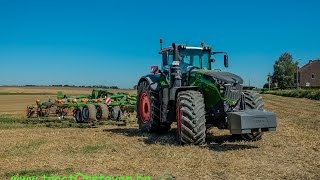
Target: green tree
(284, 70)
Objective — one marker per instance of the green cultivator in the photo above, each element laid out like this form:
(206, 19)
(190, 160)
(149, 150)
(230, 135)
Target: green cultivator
(100, 105)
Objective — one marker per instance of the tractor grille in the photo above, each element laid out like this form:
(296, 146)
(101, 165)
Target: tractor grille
(232, 91)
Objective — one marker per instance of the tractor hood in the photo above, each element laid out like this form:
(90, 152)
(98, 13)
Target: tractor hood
(223, 76)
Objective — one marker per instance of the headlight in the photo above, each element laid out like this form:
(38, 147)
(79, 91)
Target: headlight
(222, 89)
(221, 84)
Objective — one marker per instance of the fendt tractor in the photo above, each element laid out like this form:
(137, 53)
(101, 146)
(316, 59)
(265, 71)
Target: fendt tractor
(188, 91)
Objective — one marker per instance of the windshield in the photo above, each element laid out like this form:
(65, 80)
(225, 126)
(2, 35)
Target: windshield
(195, 57)
(192, 57)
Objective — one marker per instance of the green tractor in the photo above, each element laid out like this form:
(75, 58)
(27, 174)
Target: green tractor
(188, 91)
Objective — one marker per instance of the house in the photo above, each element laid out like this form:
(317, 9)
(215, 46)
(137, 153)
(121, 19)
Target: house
(309, 74)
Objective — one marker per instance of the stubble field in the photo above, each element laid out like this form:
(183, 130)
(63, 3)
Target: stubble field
(293, 152)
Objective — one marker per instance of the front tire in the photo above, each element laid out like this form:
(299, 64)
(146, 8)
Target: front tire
(191, 122)
(253, 100)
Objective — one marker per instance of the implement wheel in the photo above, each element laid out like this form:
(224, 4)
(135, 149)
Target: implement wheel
(89, 113)
(78, 115)
(102, 112)
(116, 113)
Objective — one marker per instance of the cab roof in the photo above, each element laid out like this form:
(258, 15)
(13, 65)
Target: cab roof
(170, 49)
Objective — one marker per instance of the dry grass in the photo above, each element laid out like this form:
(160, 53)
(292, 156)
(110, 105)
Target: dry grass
(293, 152)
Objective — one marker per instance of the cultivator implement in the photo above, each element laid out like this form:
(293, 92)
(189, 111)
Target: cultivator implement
(100, 105)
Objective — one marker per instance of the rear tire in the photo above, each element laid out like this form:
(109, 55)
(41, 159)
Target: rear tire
(89, 113)
(191, 122)
(253, 100)
(148, 110)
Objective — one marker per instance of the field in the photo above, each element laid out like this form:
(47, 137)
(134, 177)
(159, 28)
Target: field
(34, 148)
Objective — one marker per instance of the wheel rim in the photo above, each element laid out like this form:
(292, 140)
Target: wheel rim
(85, 113)
(179, 116)
(144, 107)
(78, 115)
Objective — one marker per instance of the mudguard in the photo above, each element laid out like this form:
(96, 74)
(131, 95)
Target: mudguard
(152, 79)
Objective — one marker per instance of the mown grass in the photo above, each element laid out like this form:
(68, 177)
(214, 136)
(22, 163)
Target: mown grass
(4, 119)
(11, 122)
(95, 148)
(26, 148)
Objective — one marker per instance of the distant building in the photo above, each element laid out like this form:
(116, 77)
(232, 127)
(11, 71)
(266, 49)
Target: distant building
(309, 74)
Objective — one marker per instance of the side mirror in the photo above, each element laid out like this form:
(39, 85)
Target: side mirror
(165, 59)
(154, 69)
(226, 60)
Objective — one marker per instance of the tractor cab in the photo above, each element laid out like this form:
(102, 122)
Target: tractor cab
(189, 59)
(198, 57)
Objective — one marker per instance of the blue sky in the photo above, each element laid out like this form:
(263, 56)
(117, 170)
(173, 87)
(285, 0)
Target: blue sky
(116, 42)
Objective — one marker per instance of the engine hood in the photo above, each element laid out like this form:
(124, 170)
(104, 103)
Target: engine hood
(224, 76)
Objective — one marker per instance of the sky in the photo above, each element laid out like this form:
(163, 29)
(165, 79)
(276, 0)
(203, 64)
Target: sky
(115, 42)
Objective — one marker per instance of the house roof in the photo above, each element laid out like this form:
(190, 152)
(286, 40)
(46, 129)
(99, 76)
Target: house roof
(311, 62)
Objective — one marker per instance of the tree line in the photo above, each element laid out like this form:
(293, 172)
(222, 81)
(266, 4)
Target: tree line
(284, 73)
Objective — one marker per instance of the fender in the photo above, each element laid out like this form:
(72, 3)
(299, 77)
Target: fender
(174, 91)
(152, 79)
